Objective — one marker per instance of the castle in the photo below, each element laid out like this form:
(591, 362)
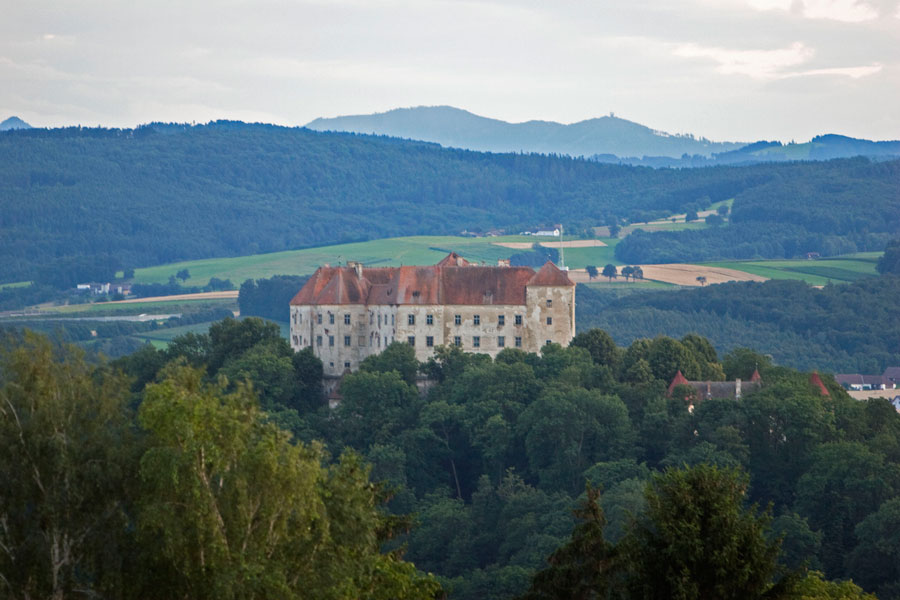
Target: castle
(348, 313)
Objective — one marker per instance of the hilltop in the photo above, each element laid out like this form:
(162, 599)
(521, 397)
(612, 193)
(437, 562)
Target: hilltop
(457, 128)
(14, 123)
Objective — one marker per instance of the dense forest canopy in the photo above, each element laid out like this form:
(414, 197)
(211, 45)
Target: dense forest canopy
(80, 203)
(847, 328)
(496, 455)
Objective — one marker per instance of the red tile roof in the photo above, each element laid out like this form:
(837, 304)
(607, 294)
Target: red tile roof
(550, 274)
(679, 379)
(756, 376)
(454, 280)
(816, 381)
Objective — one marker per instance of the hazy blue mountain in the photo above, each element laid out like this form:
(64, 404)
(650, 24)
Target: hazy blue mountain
(458, 128)
(14, 123)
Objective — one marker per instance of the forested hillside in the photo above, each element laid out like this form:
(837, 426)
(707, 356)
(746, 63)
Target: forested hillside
(829, 208)
(494, 458)
(848, 328)
(81, 203)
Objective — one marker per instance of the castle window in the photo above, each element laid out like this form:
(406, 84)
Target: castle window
(501, 320)
(411, 319)
(501, 341)
(346, 340)
(549, 302)
(518, 342)
(330, 319)
(429, 319)
(457, 319)
(296, 340)
(411, 340)
(429, 341)
(476, 341)
(549, 320)
(518, 319)
(477, 319)
(319, 318)
(379, 320)
(392, 319)
(457, 340)
(331, 340)
(295, 318)
(546, 342)
(318, 340)
(346, 319)
(346, 364)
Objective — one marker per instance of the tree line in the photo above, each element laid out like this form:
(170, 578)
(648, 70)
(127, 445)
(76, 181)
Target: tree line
(80, 203)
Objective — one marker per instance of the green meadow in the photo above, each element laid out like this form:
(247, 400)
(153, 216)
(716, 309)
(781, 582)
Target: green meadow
(391, 252)
(841, 269)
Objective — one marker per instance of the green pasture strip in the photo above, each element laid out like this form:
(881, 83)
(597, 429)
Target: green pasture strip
(169, 333)
(770, 272)
(100, 309)
(391, 252)
(663, 226)
(17, 284)
(834, 273)
(636, 286)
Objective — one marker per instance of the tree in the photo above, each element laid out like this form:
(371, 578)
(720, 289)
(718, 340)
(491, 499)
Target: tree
(627, 272)
(601, 346)
(715, 220)
(239, 511)
(696, 539)
(637, 272)
(67, 459)
(610, 271)
(874, 560)
(723, 210)
(399, 357)
(701, 279)
(889, 262)
(591, 271)
(691, 216)
(580, 569)
(183, 274)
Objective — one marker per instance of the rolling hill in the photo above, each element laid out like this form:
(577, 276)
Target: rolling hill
(456, 128)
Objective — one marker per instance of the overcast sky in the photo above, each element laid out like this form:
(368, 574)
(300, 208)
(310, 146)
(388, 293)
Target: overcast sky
(738, 70)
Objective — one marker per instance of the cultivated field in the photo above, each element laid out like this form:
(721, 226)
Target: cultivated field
(675, 274)
(841, 269)
(418, 250)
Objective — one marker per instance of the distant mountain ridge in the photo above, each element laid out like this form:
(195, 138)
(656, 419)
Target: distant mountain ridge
(14, 123)
(457, 128)
(604, 139)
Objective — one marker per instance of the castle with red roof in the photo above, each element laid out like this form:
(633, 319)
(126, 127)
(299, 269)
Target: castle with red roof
(347, 313)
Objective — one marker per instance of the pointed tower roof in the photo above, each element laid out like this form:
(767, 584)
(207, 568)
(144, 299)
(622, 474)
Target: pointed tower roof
(756, 376)
(679, 379)
(550, 274)
(453, 260)
(816, 381)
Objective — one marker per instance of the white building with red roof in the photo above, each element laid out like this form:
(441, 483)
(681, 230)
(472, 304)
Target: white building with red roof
(347, 313)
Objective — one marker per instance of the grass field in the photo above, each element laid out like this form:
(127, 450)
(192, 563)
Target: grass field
(418, 250)
(166, 306)
(842, 269)
(17, 284)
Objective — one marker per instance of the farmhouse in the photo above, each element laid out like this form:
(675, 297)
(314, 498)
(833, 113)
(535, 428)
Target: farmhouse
(348, 313)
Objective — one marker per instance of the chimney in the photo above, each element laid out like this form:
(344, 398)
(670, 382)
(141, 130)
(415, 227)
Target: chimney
(737, 389)
(459, 261)
(357, 266)
(503, 262)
